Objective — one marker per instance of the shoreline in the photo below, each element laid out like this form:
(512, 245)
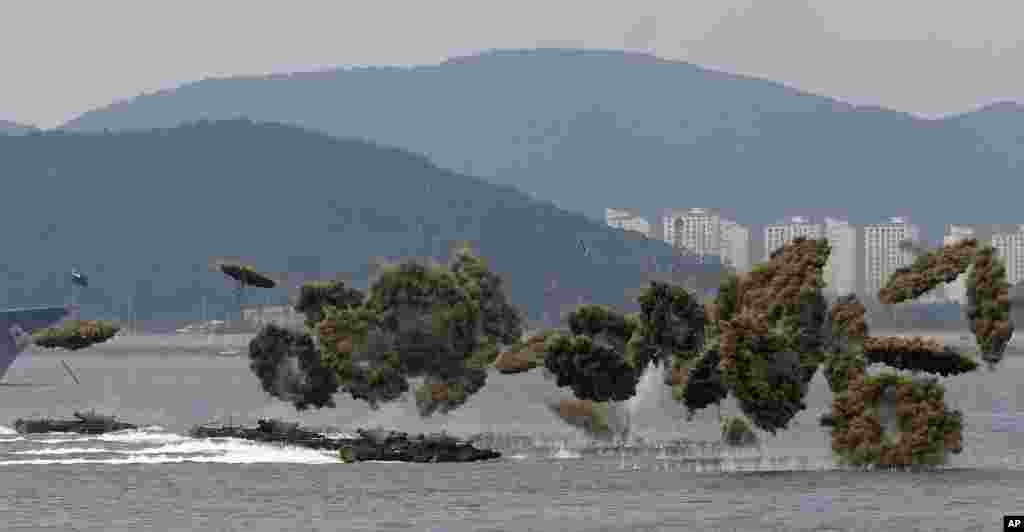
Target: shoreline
(163, 343)
(201, 343)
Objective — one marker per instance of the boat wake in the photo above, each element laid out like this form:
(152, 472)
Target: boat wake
(564, 453)
(149, 447)
(128, 436)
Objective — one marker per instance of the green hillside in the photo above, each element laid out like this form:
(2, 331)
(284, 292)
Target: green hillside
(143, 212)
(592, 129)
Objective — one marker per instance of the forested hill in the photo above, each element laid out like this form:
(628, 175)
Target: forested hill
(142, 213)
(14, 128)
(591, 129)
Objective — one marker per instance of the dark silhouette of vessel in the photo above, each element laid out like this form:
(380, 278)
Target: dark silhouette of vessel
(17, 326)
(86, 423)
(374, 444)
(266, 430)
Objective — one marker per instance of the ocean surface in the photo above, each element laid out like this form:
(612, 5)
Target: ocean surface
(158, 479)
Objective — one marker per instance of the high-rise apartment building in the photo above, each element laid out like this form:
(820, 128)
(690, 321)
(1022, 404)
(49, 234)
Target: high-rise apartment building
(782, 233)
(840, 271)
(1009, 246)
(704, 232)
(735, 244)
(627, 219)
(957, 290)
(697, 230)
(882, 251)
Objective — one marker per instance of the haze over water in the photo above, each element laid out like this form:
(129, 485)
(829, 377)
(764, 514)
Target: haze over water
(157, 479)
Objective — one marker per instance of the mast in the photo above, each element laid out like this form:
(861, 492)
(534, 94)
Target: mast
(240, 292)
(131, 314)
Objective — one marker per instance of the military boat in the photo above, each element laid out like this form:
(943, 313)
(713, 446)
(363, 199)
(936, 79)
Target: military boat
(267, 430)
(85, 423)
(399, 446)
(374, 444)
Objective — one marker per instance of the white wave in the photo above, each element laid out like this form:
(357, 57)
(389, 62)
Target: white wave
(340, 435)
(564, 453)
(133, 436)
(7, 431)
(140, 437)
(181, 450)
(293, 458)
(254, 455)
(775, 464)
(69, 450)
(55, 441)
(212, 445)
(5, 440)
(190, 446)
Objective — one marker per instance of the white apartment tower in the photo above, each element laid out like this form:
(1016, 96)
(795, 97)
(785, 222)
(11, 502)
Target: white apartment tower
(627, 219)
(735, 244)
(840, 271)
(957, 290)
(1010, 248)
(704, 232)
(784, 232)
(882, 253)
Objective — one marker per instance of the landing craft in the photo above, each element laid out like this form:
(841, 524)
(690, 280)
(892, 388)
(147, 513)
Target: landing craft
(17, 326)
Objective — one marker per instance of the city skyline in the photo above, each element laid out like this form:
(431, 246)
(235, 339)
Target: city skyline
(1009, 246)
(879, 245)
(957, 290)
(705, 232)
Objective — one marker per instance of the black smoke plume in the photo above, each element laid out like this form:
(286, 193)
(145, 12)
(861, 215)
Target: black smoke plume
(289, 367)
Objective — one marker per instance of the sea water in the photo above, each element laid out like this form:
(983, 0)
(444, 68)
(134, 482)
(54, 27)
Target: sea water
(158, 479)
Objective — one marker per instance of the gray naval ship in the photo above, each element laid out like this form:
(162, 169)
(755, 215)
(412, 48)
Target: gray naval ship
(17, 326)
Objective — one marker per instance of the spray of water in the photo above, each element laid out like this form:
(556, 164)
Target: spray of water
(652, 410)
(648, 390)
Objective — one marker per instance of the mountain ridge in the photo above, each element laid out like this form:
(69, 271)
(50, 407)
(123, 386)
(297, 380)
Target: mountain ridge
(142, 213)
(595, 129)
(13, 128)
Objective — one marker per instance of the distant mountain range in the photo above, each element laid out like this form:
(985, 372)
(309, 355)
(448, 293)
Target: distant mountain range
(142, 213)
(14, 128)
(592, 129)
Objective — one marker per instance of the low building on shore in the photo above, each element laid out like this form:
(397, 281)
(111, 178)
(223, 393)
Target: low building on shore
(280, 315)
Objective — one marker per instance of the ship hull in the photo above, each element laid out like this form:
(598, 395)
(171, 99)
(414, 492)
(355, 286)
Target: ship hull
(42, 426)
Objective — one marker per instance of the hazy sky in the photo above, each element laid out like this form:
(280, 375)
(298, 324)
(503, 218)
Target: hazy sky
(59, 58)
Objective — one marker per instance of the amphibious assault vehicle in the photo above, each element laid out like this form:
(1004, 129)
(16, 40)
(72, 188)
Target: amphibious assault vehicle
(367, 445)
(399, 446)
(267, 430)
(86, 423)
